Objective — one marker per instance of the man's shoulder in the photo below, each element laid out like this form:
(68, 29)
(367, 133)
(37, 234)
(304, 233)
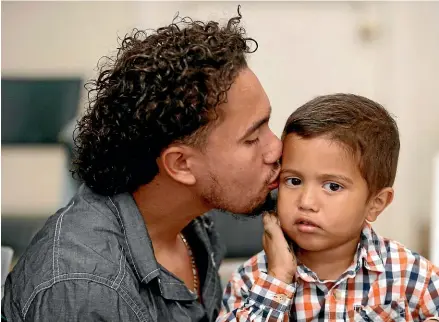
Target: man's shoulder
(81, 241)
(86, 237)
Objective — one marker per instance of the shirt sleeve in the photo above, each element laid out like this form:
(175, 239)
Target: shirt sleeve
(74, 300)
(252, 295)
(429, 304)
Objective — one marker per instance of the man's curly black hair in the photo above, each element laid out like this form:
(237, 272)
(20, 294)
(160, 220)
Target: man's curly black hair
(160, 88)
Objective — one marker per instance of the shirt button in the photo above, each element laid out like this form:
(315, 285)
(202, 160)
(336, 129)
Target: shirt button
(337, 295)
(280, 297)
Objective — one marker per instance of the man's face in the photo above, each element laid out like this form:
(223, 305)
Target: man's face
(323, 198)
(238, 166)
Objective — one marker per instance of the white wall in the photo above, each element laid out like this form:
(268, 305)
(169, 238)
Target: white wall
(434, 239)
(410, 85)
(306, 49)
(61, 37)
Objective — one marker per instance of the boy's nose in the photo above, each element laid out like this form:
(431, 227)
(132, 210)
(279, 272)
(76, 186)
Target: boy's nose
(307, 201)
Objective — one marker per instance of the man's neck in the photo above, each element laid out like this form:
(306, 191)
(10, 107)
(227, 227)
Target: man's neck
(166, 209)
(329, 264)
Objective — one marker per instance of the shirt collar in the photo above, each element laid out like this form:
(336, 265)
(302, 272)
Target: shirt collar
(139, 248)
(371, 250)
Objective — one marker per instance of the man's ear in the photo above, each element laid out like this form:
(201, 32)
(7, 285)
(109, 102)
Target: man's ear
(379, 202)
(176, 162)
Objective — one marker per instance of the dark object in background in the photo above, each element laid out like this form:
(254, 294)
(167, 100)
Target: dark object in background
(242, 234)
(17, 232)
(35, 110)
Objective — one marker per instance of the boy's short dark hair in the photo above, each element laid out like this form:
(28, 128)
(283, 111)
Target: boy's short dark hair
(361, 125)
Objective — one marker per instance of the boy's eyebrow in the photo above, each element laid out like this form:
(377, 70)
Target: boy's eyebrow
(336, 177)
(322, 177)
(290, 171)
(256, 125)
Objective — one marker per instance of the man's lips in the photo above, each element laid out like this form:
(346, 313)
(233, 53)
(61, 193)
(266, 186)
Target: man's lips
(274, 184)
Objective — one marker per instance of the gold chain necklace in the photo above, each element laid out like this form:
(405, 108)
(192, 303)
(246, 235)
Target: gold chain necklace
(194, 267)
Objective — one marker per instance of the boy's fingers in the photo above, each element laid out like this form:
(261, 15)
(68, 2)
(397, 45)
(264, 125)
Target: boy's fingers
(272, 229)
(270, 218)
(268, 221)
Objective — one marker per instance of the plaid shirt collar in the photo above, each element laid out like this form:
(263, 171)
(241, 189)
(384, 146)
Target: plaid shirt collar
(368, 254)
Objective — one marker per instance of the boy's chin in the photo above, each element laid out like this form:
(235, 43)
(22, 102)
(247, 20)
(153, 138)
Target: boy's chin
(308, 245)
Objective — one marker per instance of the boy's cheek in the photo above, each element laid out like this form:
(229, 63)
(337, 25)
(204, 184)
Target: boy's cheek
(286, 198)
(286, 219)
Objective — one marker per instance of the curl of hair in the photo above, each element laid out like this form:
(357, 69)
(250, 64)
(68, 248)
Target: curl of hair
(160, 88)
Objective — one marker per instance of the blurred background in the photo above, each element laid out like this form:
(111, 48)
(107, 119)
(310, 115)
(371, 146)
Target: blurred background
(388, 51)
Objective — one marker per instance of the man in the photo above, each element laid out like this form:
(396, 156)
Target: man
(177, 125)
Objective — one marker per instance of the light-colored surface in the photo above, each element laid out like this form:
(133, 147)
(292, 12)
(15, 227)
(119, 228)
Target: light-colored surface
(64, 37)
(228, 267)
(385, 50)
(32, 179)
(434, 243)
(6, 253)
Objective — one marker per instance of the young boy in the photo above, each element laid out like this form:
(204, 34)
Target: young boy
(338, 166)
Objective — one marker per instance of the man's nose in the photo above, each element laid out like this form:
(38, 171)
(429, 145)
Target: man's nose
(274, 150)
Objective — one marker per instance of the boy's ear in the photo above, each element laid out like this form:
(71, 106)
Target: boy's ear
(379, 202)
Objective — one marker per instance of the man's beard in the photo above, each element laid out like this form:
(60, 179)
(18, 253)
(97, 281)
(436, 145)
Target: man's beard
(252, 210)
(268, 205)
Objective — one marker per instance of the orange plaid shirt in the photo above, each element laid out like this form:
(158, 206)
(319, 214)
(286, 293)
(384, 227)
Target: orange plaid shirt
(386, 282)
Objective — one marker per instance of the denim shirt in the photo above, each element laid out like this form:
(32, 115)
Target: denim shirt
(94, 261)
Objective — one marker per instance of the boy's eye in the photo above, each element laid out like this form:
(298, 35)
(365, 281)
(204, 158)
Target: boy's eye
(332, 187)
(293, 181)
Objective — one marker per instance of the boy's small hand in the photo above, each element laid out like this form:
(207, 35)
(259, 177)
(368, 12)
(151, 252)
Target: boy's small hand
(282, 262)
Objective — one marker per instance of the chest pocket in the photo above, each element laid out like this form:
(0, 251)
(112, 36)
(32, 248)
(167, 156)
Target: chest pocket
(395, 311)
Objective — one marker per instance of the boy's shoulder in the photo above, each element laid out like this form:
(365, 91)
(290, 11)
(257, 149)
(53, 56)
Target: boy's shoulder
(396, 257)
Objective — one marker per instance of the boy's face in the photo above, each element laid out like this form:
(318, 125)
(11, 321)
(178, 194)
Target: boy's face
(323, 198)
